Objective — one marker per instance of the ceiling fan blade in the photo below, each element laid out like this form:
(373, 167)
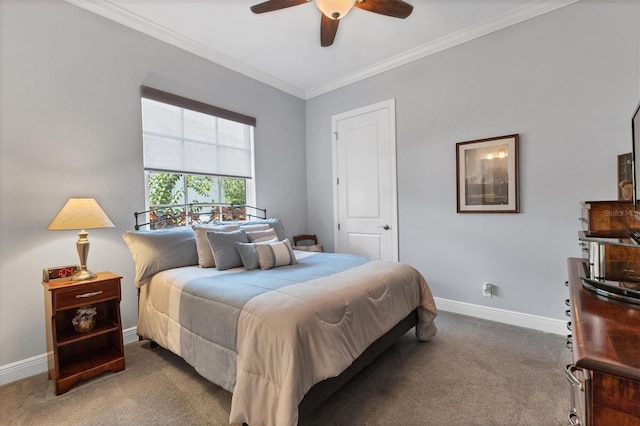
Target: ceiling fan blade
(395, 8)
(271, 5)
(328, 29)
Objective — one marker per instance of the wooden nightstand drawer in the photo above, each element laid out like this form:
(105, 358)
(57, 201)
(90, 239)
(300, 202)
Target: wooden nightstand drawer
(86, 294)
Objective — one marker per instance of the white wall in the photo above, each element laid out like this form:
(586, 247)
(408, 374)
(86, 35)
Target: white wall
(70, 126)
(567, 82)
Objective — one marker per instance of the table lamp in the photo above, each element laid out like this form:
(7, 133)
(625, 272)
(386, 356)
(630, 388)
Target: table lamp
(81, 213)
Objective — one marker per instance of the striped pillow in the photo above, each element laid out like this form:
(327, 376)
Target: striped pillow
(275, 254)
(249, 255)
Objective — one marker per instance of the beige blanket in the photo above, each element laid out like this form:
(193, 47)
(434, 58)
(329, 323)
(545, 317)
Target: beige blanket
(316, 330)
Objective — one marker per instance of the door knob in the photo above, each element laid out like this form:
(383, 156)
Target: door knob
(386, 227)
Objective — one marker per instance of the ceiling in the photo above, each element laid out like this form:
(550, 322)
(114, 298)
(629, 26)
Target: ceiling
(282, 48)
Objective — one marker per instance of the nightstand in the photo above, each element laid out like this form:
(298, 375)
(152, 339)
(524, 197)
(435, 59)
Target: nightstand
(72, 355)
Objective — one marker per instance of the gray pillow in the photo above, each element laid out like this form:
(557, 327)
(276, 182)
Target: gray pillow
(155, 251)
(205, 255)
(258, 227)
(275, 223)
(223, 245)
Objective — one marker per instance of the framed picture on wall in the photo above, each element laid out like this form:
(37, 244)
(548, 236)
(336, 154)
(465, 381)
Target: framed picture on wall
(625, 177)
(487, 175)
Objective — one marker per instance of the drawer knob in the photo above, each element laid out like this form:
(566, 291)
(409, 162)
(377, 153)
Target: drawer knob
(574, 420)
(91, 294)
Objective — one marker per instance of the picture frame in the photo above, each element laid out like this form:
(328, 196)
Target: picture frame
(625, 177)
(487, 175)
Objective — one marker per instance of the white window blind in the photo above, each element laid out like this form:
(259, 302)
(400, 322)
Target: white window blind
(198, 140)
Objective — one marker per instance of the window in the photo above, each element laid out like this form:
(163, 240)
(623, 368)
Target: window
(195, 153)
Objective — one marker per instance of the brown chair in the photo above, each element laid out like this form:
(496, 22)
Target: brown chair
(305, 237)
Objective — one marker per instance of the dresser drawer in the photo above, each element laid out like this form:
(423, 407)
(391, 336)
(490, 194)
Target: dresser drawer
(86, 294)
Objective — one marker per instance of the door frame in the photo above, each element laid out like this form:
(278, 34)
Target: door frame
(390, 106)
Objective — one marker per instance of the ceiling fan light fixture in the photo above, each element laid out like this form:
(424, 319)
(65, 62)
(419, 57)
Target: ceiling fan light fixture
(335, 9)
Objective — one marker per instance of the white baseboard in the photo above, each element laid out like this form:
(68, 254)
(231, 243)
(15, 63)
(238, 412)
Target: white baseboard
(548, 325)
(38, 364)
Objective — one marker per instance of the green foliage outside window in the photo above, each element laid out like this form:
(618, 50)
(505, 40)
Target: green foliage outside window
(169, 188)
(235, 191)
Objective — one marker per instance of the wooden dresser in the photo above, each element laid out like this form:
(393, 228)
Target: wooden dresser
(605, 374)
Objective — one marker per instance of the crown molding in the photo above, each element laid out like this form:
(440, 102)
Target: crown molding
(138, 23)
(492, 25)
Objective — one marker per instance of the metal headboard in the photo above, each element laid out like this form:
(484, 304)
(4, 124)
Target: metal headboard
(170, 216)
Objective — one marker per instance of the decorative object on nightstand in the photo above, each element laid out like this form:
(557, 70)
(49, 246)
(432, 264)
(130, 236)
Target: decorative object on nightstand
(84, 320)
(84, 331)
(81, 214)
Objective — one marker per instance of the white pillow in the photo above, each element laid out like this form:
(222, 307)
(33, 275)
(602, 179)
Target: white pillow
(275, 254)
(274, 223)
(317, 248)
(261, 236)
(205, 254)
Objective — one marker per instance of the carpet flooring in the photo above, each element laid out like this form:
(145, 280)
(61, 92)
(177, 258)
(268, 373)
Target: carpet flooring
(474, 372)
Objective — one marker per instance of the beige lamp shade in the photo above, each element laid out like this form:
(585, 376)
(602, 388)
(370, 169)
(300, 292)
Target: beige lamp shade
(81, 213)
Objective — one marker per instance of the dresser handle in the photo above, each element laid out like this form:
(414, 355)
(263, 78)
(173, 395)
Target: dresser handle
(568, 312)
(93, 293)
(574, 420)
(569, 325)
(569, 369)
(567, 302)
(569, 342)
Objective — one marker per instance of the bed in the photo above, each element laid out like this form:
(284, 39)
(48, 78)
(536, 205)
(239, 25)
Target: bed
(280, 334)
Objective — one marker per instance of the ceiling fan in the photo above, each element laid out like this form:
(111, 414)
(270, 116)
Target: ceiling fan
(334, 10)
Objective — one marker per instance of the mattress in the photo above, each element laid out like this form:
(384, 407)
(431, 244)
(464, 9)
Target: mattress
(269, 335)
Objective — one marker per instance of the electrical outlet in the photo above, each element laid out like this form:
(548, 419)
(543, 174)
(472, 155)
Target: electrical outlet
(487, 290)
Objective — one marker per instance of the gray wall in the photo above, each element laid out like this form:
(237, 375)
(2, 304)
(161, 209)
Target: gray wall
(70, 126)
(567, 82)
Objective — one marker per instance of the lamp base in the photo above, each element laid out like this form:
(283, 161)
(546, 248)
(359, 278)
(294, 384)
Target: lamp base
(83, 274)
(83, 251)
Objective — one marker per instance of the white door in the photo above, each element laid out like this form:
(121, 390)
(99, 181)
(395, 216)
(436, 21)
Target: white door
(364, 171)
